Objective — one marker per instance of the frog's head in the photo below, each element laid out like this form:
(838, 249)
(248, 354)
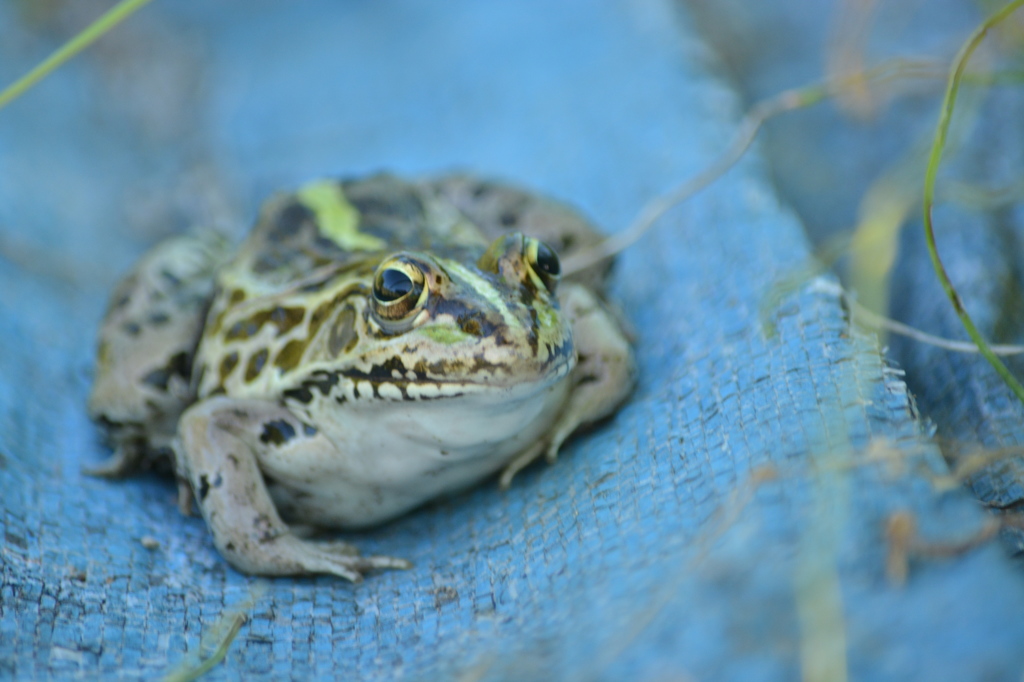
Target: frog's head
(433, 326)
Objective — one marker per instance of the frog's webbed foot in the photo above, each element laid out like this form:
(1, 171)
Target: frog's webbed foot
(218, 449)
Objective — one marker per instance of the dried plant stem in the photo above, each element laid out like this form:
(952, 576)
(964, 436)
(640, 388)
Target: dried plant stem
(859, 313)
(788, 100)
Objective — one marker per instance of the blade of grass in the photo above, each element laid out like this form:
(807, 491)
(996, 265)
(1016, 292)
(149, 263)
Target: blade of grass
(931, 173)
(87, 37)
(189, 674)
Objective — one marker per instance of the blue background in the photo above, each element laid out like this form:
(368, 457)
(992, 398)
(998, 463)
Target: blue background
(728, 523)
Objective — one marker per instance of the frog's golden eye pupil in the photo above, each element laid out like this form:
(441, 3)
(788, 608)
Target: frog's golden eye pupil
(392, 285)
(547, 261)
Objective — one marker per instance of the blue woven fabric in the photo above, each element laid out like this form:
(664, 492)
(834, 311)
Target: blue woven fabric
(838, 165)
(727, 524)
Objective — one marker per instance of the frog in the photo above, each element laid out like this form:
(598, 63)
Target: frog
(373, 343)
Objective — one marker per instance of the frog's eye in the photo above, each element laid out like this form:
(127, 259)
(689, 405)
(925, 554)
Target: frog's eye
(398, 289)
(543, 262)
(519, 258)
(391, 285)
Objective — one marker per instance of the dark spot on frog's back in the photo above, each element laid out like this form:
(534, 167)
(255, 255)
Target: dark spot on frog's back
(285, 319)
(384, 195)
(291, 355)
(205, 485)
(158, 319)
(256, 364)
(227, 366)
(241, 330)
(289, 222)
(277, 432)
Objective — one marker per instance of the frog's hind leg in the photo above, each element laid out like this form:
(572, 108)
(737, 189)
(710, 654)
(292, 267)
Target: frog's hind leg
(220, 439)
(146, 343)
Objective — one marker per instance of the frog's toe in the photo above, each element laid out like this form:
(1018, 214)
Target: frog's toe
(379, 563)
(338, 547)
(520, 462)
(125, 460)
(333, 557)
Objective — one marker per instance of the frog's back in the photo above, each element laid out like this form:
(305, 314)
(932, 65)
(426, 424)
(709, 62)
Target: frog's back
(333, 225)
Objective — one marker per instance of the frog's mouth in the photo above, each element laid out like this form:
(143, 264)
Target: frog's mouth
(473, 374)
(393, 382)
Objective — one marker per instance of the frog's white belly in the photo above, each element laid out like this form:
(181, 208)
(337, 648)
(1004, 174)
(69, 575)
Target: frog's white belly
(386, 458)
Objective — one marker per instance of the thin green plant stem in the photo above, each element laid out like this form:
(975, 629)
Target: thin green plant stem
(931, 173)
(84, 39)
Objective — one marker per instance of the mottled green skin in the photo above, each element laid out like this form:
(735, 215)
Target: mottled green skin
(294, 304)
(371, 344)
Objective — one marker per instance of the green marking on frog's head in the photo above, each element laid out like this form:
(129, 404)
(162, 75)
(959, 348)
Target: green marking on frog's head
(547, 319)
(448, 336)
(337, 219)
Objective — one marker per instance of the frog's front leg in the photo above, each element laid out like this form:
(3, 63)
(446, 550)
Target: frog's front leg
(220, 442)
(602, 379)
